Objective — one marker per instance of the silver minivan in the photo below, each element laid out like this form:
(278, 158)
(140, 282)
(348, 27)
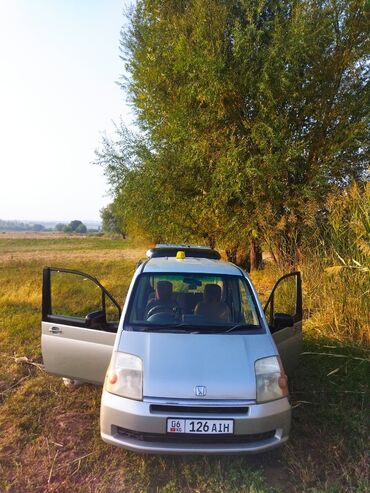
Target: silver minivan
(192, 363)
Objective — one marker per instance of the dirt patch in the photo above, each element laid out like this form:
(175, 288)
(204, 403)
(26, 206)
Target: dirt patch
(52, 461)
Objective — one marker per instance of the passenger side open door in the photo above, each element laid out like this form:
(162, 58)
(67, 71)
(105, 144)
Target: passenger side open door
(283, 311)
(79, 324)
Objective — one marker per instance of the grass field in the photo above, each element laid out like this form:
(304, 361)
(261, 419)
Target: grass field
(49, 434)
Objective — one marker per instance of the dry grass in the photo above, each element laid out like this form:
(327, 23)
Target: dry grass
(337, 302)
(32, 235)
(53, 257)
(49, 434)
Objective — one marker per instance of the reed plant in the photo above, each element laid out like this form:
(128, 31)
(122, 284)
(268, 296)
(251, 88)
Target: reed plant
(335, 266)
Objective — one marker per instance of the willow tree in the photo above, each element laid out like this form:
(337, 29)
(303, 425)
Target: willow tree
(249, 113)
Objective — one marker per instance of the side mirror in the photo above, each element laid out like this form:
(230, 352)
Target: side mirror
(95, 320)
(282, 320)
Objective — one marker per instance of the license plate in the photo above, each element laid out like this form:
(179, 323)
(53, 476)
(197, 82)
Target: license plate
(200, 426)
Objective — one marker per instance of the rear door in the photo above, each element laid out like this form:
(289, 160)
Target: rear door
(79, 324)
(283, 311)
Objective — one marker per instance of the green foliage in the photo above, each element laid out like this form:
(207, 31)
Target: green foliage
(19, 226)
(250, 113)
(38, 227)
(60, 227)
(75, 226)
(81, 228)
(112, 220)
(336, 267)
(347, 228)
(49, 434)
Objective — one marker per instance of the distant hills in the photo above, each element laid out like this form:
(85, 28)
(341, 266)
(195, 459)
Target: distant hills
(20, 225)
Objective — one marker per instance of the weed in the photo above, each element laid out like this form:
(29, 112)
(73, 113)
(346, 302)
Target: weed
(49, 434)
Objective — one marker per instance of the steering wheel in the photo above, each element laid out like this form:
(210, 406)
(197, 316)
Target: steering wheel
(158, 309)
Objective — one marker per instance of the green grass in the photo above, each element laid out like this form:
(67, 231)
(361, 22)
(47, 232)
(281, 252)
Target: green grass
(49, 434)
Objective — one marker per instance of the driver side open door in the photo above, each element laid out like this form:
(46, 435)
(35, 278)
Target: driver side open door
(283, 311)
(79, 324)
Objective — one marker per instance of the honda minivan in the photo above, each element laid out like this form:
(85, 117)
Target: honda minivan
(191, 364)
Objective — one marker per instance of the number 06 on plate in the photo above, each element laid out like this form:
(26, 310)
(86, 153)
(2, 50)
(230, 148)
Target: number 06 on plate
(200, 426)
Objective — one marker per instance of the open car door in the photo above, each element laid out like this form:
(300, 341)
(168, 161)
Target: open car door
(79, 324)
(283, 311)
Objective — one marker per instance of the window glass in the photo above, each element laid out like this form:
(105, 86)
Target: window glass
(111, 311)
(248, 313)
(192, 300)
(74, 295)
(285, 296)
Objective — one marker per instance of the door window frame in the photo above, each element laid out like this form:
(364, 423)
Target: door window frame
(297, 317)
(48, 316)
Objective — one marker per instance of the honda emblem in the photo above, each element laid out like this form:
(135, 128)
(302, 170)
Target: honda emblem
(200, 390)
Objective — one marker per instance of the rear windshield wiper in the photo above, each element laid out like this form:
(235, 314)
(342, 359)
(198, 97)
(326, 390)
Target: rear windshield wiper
(242, 327)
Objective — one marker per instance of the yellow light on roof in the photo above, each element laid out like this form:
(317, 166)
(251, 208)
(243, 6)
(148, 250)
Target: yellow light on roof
(180, 255)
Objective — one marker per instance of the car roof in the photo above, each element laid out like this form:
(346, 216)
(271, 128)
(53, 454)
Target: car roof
(171, 250)
(192, 265)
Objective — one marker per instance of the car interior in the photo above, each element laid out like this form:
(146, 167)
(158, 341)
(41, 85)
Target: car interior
(191, 300)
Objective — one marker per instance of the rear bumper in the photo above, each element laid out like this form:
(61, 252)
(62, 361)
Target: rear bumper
(134, 426)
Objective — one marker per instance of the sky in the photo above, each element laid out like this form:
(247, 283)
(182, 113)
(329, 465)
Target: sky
(59, 63)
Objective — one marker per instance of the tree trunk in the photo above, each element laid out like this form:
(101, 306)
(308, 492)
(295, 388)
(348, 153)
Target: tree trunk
(231, 254)
(255, 255)
(238, 255)
(242, 259)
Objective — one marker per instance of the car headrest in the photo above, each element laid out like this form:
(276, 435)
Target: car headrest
(212, 292)
(163, 290)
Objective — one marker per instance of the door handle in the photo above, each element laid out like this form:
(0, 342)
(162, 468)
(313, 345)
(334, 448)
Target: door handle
(55, 330)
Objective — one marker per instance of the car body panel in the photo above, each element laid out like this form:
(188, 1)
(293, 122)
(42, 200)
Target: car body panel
(191, 265)
(119, 413)
(289, 345)
(76, 352)
(289, 339)
(174, 363)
